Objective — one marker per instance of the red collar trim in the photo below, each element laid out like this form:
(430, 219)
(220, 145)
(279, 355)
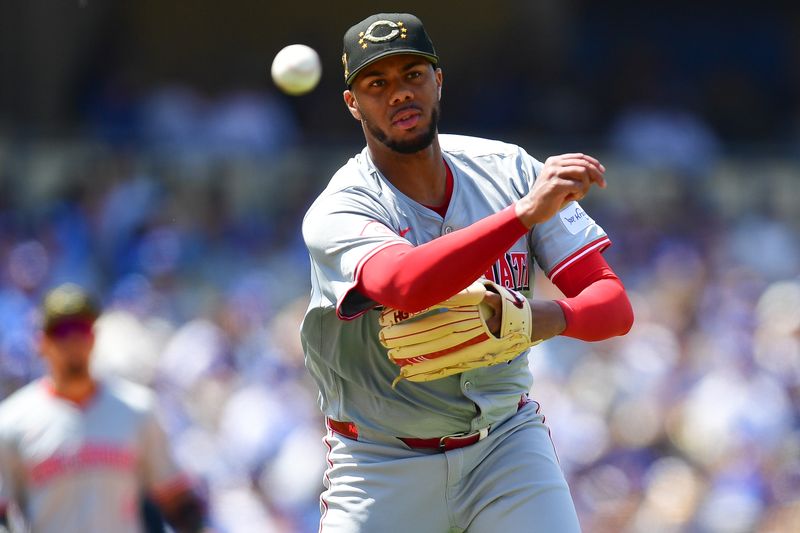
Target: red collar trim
(82, 403)
(448, 193)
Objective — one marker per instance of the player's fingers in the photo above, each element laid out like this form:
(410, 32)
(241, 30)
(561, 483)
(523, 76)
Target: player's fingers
(582, 172)
(593, 161)
(577, 161)
(578, 155)
(596, 172)
(575, 168)
(573, 155)
(579, 173)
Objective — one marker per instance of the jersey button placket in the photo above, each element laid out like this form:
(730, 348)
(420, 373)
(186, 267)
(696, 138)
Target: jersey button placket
(447, 229)
(468, 387)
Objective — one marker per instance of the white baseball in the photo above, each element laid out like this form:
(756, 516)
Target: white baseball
(296, 69)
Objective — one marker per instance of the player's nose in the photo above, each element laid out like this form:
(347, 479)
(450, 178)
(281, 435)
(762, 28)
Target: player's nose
(401, 94)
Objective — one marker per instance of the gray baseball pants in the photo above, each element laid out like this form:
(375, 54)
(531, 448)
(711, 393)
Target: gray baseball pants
(508, 482)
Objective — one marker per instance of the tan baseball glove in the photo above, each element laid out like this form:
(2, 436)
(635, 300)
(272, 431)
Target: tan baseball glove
(452, 337)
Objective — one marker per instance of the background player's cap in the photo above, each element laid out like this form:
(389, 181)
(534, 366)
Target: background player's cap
(68, 303)
(383, 35)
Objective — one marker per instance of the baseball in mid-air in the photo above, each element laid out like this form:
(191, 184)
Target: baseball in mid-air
(296, 69)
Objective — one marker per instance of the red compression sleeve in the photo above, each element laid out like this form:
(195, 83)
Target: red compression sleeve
(412, 278)
(597, 307)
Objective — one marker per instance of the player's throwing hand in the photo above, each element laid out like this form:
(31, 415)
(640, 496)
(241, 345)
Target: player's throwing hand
(563, 179)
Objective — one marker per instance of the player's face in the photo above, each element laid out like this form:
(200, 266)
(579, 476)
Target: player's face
(397, 101)
(67, 348)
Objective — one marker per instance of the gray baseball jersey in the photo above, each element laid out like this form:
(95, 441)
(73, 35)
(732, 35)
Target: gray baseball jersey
(361, 213)
(78, 468)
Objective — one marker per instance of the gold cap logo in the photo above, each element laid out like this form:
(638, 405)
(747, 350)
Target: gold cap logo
(395, 30)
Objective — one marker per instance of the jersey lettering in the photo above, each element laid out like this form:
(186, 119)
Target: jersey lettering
(88, 456)
(490, 273)
(506, 275)
(519, 264)
(510, 271)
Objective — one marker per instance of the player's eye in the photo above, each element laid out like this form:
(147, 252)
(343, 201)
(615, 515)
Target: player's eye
(377, 83)
(414, 74)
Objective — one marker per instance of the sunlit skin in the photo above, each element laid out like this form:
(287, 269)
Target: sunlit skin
(68, 357)
(396, 100)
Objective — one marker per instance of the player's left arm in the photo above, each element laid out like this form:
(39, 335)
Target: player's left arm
(9, 476)
(183, 509)
(596, 308)
(569, 248)
(3, 518)
(171, 490)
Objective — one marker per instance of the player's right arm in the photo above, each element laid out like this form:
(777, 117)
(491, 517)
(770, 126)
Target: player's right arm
(414, 278)
(349, 232)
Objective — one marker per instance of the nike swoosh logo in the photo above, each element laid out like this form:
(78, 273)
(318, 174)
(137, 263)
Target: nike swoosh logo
(404, 231)
(517, 301)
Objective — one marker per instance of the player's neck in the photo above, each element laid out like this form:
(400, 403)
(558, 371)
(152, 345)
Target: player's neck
(73, 388)
(420, 176)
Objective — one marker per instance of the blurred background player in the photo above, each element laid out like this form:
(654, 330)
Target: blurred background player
(78, 454)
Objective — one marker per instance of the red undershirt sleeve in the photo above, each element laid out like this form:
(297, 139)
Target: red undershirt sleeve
(596, 306)
(412, 278)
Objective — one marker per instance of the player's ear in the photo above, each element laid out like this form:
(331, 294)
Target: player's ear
(438, 73)
(352, 104)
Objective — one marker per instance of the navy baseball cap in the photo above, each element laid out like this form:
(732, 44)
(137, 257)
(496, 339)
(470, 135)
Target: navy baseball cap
(383, 35)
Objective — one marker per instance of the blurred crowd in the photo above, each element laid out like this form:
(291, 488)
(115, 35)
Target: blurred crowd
(176, 193)
(204, 279)
(689, 423)
(554, 68)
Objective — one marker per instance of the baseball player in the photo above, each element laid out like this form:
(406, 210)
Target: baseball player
(420, 318)
(77, 454)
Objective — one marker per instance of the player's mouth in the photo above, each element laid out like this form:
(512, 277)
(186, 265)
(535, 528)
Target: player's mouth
(406, 118)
